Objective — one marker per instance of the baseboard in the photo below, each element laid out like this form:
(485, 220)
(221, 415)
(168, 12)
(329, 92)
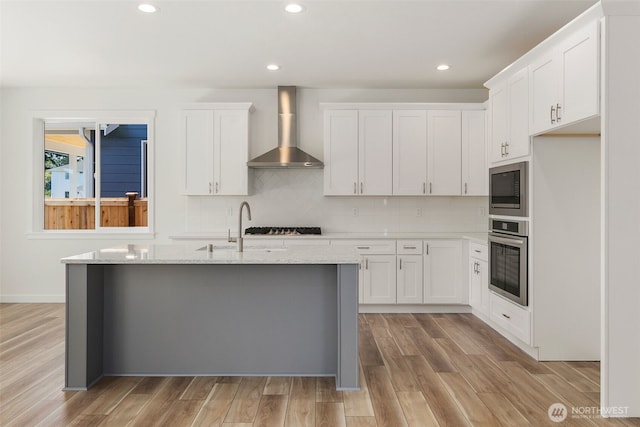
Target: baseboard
(413, 308)
(32, 299)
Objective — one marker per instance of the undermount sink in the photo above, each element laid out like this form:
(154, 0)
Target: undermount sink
(233, 248)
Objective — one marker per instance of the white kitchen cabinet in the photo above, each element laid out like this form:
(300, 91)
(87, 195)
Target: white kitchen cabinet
(375, 153)
(379, 279)
(443, 267)
(479, 279)
(215, 149)
(565, 81)
(358, 152)
(302, 241)
(409, 272)
(509, 106)
(474, 154)
(444, 139)
(340, 152)
(511, 317)
(377, 272)
(410, 152)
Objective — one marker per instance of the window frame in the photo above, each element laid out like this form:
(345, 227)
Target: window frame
(38, 119)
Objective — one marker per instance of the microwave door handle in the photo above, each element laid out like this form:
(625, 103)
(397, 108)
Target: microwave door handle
(506, 241)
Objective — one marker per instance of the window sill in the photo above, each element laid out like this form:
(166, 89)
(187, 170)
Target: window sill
(90, 235)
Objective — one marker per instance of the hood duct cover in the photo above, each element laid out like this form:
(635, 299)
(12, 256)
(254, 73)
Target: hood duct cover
(286, 154)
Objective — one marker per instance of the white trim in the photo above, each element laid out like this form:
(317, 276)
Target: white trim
(402, 106)
(413, 308)
(32, 299)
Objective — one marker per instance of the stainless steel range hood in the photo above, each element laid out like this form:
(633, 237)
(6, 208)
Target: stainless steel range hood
(286, 154)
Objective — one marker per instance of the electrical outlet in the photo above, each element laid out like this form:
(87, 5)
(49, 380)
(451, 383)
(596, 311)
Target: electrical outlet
(481, 211)
(356, 212)
(419, 212)
(229, 211)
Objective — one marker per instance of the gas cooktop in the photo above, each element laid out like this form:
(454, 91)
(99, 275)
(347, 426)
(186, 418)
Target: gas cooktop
(283, 231)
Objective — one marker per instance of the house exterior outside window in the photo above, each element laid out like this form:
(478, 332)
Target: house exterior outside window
(91, 172)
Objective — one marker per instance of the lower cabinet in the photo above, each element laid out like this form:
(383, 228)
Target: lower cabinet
(410, 271)
(409, 279)
(478, 279)
(443, 272)
(379, 279)
(511, 317)
(377, 273)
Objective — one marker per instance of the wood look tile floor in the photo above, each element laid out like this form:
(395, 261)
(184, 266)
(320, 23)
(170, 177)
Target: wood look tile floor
(416, 370)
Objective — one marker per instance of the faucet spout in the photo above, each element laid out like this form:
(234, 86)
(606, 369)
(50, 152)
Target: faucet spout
(240, 240)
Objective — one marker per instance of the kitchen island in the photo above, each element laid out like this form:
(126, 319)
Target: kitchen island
(183, 310)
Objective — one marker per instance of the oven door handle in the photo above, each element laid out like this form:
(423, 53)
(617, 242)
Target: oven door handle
(506, 240)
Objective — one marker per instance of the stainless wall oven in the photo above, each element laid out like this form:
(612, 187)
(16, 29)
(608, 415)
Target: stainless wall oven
(508, 265)
(508, 190)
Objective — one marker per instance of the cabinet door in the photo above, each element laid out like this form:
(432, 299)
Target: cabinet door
(545, 75)
(443, 272)
(375, 154)
(409, 279)
(518, 115)
(444, 139)
(197, 137)
(231, 144)
(340, 152)
(580, 77)
(379, 279)
(499, 122)
(409, 152)
(479, 285)
(474, 154)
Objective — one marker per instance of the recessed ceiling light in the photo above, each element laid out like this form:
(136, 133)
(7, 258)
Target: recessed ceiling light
(442, 67)
(147, 8)
(294, 8)
(273, 67)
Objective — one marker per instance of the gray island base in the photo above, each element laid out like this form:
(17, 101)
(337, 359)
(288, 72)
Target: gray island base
(155, 314)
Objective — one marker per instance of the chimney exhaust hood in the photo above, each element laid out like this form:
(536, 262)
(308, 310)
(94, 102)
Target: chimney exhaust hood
(286, 154)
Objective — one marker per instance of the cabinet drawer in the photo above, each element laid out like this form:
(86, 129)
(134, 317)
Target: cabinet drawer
(409, 247)
(305, 242)
(364, 247)
(511, 317)
(478, 251)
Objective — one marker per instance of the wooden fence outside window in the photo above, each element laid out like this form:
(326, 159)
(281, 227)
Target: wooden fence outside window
(79, 214)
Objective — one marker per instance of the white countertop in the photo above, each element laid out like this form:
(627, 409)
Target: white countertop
(478, 237)
(196, 253)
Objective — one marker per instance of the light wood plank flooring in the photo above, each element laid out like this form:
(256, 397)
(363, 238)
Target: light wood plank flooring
(416, 370)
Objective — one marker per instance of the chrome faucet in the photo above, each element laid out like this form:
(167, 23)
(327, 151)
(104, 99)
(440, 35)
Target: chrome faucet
(239, 239)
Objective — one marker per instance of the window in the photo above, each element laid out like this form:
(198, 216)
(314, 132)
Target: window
(92, 172)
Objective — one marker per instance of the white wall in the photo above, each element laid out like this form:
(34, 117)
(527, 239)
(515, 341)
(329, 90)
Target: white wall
(30, 266)
(621, 209)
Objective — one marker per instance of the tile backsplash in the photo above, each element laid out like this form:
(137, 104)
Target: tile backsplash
(293, 197)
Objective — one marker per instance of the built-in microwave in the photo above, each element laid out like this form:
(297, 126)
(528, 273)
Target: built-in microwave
(508, 190)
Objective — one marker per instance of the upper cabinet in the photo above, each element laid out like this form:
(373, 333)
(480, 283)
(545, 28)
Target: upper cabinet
(565, 81)
(375, 153)
(341, 152)
(444, 139)
(409, 152)
(474, 154)
(215, 147)
(509, 106)
(404, 151)
(357, 152)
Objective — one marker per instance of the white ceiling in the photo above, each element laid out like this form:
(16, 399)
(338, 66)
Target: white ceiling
(227, 44)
